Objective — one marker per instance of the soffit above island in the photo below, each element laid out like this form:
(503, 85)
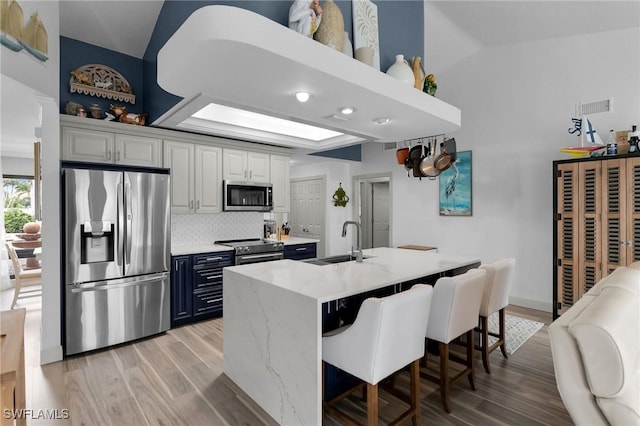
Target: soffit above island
(229, 56)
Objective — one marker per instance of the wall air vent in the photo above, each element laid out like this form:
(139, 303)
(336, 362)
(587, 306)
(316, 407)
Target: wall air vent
(388, 146)
(597, 106)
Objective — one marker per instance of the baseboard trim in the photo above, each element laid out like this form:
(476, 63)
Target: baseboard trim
(49, 355)
(532, 304)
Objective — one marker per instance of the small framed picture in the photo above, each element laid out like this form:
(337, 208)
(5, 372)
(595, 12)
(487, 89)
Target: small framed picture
(455, 187)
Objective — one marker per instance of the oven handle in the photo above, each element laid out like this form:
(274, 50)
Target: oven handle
(240, 260)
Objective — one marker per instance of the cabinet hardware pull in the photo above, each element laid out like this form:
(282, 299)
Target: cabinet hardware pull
(301, 249)
(214, 300)
(198, 205)
(118, 156)
(250, 174)
(109, 155)
(212, 277)
(191, 204)
(209, 259)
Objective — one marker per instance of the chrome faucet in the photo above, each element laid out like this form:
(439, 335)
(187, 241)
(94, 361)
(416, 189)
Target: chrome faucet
(358, 252)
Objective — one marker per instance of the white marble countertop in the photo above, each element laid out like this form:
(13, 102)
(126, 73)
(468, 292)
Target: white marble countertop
(296, 240)
(196, 249)
(385, 266)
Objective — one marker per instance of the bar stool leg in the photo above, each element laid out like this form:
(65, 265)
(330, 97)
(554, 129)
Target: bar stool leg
(484, 343)
(414, 384)
(444, 376)
(503, 346)
(372, 404)
(470, 357)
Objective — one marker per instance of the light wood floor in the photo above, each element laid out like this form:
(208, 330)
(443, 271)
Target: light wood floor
(177, 378)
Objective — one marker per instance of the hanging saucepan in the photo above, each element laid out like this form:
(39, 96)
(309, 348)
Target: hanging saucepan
(408, 166)
(427, 167)
(447, 155)
(415, 156)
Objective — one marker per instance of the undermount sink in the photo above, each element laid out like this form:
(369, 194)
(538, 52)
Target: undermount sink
(334, 259)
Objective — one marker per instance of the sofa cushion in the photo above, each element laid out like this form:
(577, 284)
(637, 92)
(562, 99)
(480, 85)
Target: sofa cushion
(606, 332)
(625, 408)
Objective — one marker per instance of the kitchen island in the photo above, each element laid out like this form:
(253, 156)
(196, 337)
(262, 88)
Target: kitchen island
(273, 321)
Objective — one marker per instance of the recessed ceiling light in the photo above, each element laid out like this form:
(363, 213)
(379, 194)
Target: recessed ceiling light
(347, 110)
(381, 120)
(302, 96)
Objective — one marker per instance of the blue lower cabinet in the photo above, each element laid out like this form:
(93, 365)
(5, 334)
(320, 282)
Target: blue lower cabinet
(181, 290)
(196, 286)
(300, 251)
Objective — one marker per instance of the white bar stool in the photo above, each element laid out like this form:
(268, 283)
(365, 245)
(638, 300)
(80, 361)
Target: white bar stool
(454, 312)
(387, 335)
(495, 299)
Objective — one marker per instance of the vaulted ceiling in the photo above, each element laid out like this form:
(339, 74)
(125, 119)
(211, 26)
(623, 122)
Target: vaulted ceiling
(126, 27)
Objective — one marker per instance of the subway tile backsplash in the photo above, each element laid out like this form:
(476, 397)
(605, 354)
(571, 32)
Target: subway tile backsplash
(196, 229)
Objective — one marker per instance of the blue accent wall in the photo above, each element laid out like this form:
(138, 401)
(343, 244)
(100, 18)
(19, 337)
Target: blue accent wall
(353, 153)
(74, 54)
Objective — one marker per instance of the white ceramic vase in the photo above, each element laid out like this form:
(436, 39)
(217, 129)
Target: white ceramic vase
(401, 70)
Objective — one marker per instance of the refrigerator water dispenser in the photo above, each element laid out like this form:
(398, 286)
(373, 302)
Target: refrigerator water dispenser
(97, 241)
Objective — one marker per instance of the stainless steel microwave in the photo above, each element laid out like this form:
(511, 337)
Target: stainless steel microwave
(240, 196)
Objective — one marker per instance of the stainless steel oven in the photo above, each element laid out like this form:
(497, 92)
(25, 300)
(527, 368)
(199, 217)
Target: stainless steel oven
(255, 250)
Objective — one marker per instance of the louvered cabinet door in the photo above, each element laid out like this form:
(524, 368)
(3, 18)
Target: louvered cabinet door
(614, 213)
(632, 188)
(567, 236)
(589, 226)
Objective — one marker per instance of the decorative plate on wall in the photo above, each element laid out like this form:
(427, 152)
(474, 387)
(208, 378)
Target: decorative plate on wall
(365, 28)
(101, 81)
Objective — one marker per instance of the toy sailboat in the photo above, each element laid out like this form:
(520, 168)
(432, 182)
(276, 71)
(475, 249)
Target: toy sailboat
(593, 141)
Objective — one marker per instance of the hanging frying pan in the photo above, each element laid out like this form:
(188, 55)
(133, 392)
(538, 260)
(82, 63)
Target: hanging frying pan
(447, 155)
(427, 167)
(415, 156)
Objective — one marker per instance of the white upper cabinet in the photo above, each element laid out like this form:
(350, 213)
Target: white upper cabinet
(113, 148)
(245, 166)
(196, 177)
(208, 179)
(138, 151)
(281, 183)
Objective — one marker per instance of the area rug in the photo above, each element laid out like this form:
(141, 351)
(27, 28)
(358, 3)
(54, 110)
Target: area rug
(518, 330)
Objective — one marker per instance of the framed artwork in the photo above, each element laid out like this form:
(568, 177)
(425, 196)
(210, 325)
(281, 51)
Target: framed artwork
(455, 187)
(365, 28)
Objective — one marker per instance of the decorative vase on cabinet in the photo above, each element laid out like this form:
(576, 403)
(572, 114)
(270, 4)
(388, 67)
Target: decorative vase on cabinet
(401, 71)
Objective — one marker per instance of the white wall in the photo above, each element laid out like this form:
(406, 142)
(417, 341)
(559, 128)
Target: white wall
(43, 78)
(517, 102)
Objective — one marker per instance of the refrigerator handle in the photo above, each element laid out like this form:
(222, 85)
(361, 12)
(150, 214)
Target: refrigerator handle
(120, 239)
(128, 218)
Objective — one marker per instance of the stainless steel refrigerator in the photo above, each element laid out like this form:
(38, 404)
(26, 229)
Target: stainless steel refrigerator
(116, 256)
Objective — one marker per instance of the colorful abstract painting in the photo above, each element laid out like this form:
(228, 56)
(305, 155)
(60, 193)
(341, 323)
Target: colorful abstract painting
(455, 187)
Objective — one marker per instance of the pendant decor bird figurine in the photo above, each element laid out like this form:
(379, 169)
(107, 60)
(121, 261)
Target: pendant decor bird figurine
(430, 85)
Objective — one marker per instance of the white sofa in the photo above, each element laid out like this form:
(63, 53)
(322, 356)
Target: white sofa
(596, 352)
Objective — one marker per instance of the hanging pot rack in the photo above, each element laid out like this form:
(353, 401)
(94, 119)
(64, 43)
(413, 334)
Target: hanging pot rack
(413, 164)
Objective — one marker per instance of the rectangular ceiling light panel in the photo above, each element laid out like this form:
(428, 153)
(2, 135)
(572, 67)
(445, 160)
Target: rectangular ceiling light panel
(256, 121)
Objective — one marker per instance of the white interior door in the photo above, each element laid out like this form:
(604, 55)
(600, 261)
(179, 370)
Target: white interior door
(307, 216)
(380, 214)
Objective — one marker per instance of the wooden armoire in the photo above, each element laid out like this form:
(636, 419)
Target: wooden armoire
(596, 223)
